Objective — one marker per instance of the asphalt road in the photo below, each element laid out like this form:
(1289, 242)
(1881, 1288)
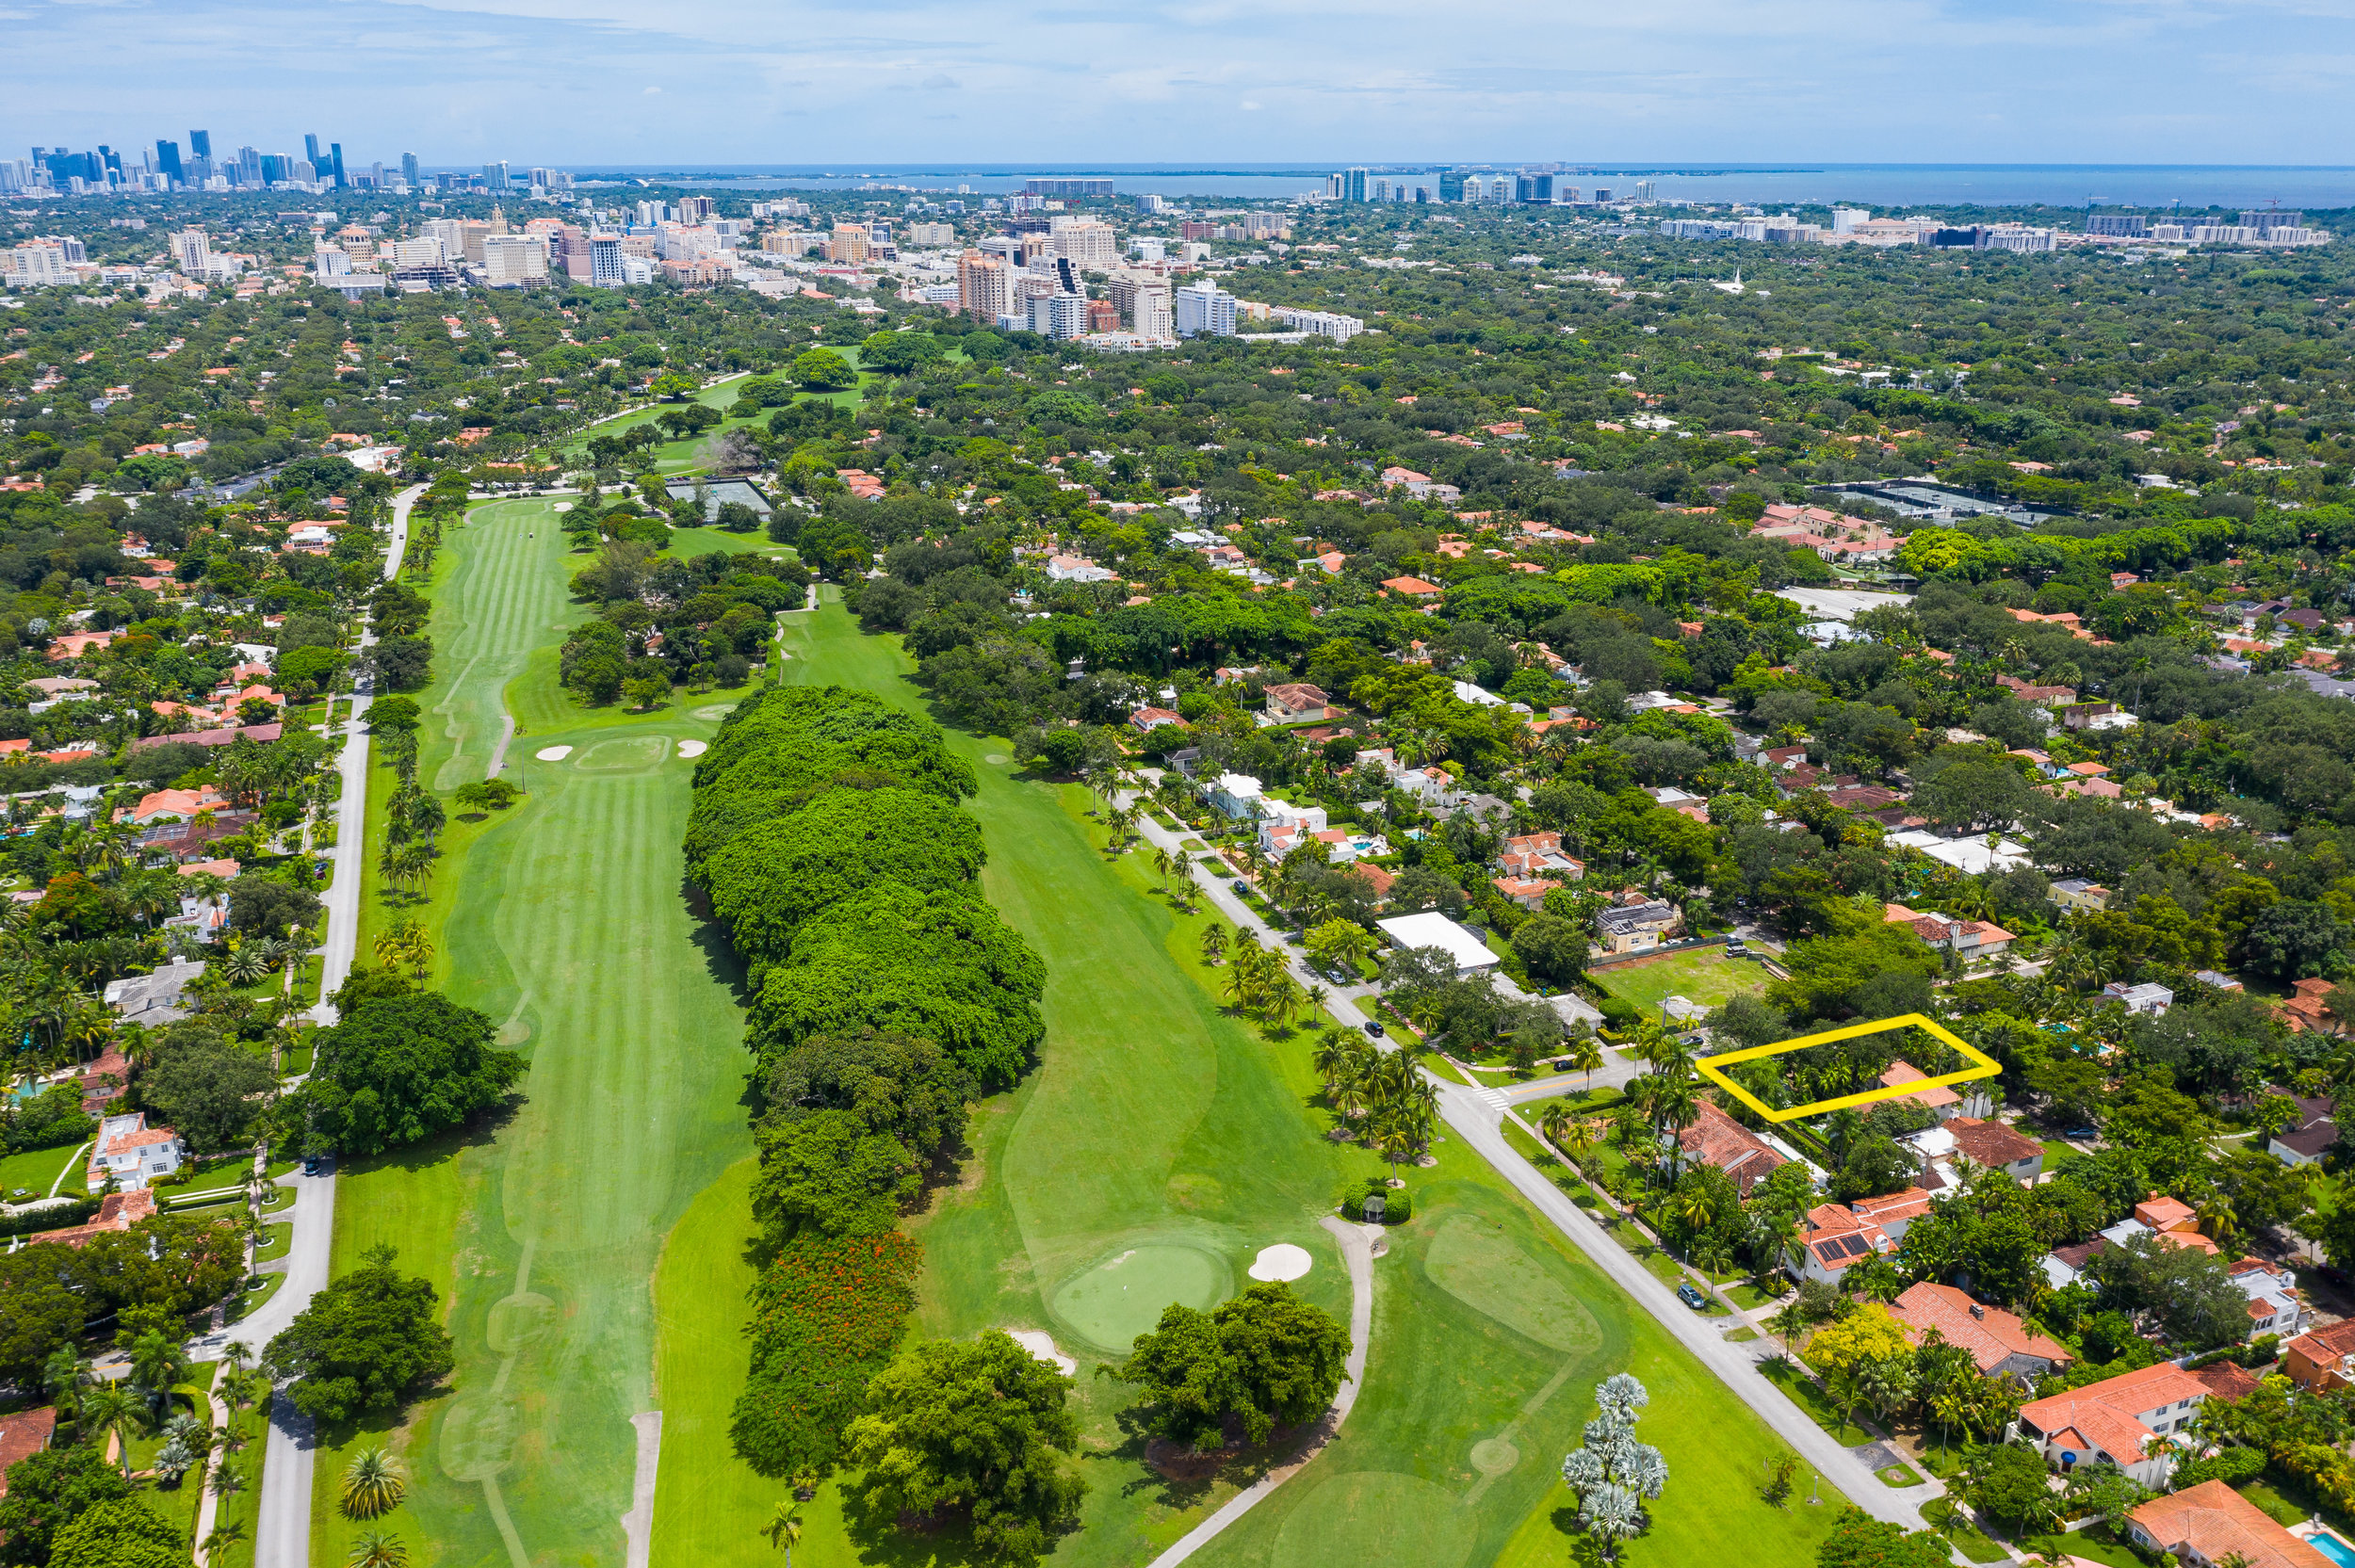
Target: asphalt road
(281, 1537)
(1477, 1116)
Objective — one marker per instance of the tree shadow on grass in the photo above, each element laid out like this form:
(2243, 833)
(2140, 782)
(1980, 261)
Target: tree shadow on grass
(478, 1132)
(711, 938)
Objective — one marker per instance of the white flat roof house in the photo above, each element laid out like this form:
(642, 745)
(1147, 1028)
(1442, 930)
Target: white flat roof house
(134, 1153)
(1434, 929)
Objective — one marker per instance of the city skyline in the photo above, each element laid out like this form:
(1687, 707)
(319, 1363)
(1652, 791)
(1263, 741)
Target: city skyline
(458, 81)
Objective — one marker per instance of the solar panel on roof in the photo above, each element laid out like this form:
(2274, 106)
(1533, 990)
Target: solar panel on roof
(1853, 1245)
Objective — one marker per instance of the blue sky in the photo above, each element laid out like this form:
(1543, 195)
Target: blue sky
(579, 83)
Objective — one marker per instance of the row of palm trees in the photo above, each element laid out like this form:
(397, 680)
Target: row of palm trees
(1259, 981)
(1385, 1090)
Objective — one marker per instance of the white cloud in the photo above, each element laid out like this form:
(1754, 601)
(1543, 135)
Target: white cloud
(1358, 81)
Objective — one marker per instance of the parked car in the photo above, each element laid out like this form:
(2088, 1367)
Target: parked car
(1374, 1028)
(2083, 1132)
(1690, 1296)
(311, 1166)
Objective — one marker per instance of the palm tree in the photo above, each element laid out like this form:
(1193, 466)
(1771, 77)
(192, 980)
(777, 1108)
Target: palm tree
(1332, 1051)
(246, 963)
(156, 1363)
(1213, 942)
(1349, 1099)
(1787, 1321)
(1585, 1052)
(373, 1485)
(226, 1534)
(785, 1529)
(111, 1408)
(373, 1551)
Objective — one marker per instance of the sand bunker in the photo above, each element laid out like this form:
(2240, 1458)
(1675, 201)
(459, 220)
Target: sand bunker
(693, 747)
(1042, 1346)
(553, 754)
(1282, 1261)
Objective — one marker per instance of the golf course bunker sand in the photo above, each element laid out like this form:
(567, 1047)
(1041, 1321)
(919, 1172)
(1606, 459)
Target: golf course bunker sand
(1042, 1346)
(693, 747)
(1282, 1261)
(553, 754)
(1124, 1296)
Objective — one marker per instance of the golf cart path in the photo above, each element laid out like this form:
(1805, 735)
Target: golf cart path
(1477, 1116)
(1358, 1253)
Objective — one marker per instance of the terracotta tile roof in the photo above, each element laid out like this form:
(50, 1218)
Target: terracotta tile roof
(22, 1435)
(2108, 1414)
(2211, 1521)
(1904, 1071)
(117, 1211)
(2227, 1380)
(1717, 1138)
(1893, 1209)
(1989, 1334)
(1991, 1143)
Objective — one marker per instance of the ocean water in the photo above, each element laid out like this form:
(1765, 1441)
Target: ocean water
(1881, 187)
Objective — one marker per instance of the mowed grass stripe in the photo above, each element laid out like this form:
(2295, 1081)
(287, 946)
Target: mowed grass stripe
(563, 916)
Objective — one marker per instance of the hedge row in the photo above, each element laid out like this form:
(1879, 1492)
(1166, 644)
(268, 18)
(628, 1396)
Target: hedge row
(827, 835)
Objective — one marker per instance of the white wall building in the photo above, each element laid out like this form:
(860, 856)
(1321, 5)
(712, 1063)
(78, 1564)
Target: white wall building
(1205, 309)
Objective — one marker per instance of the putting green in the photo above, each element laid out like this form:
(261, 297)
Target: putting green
(1124, 1296)
(1481, 1268)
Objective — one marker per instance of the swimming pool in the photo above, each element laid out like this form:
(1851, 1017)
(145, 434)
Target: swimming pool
(2330, 1546)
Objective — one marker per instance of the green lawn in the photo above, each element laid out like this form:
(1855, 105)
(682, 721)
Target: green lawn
(2095, 1543)
(1157, 1120)
(36, 1170)
(1702, 974)
(560, 918)
(1809, 1396)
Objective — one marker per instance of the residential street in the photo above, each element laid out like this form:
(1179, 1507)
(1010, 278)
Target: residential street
(1477, 1115)
(281, 1537)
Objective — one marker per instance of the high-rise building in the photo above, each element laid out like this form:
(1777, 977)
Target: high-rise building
(2265, 222)
(201, 144)
(168, 159)
(1066, 187)
(1844, 219)
(984, 287)
(411, 169)
(1087, 242)
(1149, 317)
(1205, 309)
(192, 250)
(850, 243)
(311, 148)
(495, 175)
(38, 263)
(605, 260)
(697, 209)
(2124, 226)
(1348, 186)
(1058, 315)
(335, 156)
(513, 260)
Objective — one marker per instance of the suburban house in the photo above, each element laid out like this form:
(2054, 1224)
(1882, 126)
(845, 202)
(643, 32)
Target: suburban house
(2310, 1009)
(1632, 927)
(1145, 720)
(172, 805)
(117, 1211)
(1938, 1100)
(1989, 1145)
(2323, 1360)
(1412, 588)
(2307, 1139)
(2081, 892)
(1968, 940)
(22, 1435)
(1236, 795)
(2209, 1523)
(2113, 1422)
(1528, 892)
(1434, 929)
(2097, 715)
(1077, 569)
(1998, 1341)
(1533, 854)
(132, 1153)
(2147, 997)
(1837, 1236)
(1297, 702)
(2274, 1306)
(154, 998)
(1717, 1138)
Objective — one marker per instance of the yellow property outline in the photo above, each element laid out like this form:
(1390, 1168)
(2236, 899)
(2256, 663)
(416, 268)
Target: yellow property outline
(1713, 1068)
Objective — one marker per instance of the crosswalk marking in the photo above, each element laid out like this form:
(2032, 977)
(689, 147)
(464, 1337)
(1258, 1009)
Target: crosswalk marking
(1496, 1097)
